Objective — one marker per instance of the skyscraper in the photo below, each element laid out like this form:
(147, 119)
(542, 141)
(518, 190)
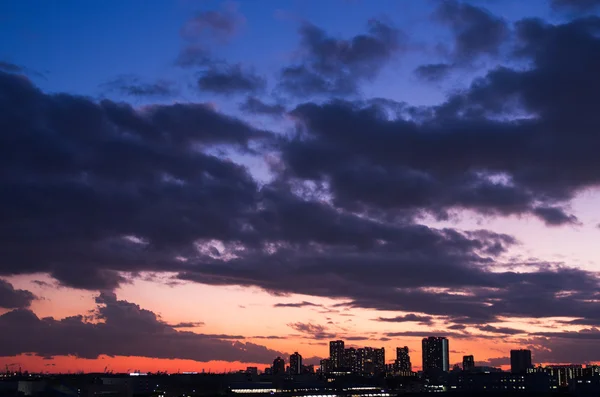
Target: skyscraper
(468, 363)
(366, 359)
(295, 364)
(379, 360)
(435, 354)
(336, 354)
(351, 360)
(325, 366)
(278, 366)
(520, 361)
(403, 363)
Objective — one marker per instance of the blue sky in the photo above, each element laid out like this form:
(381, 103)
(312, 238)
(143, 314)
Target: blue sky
(79, 45)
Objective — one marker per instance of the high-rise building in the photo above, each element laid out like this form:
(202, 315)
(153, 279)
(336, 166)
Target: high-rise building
(564, 374)
(520, 361)
(366, 359)
(295, 364)
(403, 364)
(436, 354)
(278, 366)
(252, 371)
(336, 354)
(351, 360)
(379, 360)
(361, 357)
(468, 363)
(325, 366)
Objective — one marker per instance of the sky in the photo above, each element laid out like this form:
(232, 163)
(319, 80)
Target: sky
(202, 185)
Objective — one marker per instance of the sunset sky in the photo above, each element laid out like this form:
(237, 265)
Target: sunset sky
(197, 184)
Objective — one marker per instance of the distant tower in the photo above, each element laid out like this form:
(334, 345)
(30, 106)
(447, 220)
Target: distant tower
(351, 360)
(436, 354)
(361, 359)
(520, 361)
(403, 363)
(468, 363)
(278, 366)
(379, 360)
(295, 364)
(336, 354)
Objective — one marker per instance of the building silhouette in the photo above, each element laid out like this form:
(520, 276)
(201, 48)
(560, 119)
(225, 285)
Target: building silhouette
(336, 354)
(278, 366)
(379, 360)
(563, 375)
(468, 363)
(403, 363)
(351, 360)
(520, 361)
(361, 358)
(295, 364)
(435, 354)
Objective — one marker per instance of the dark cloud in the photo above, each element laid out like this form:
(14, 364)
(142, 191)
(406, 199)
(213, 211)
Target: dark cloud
(84, 277)
(121, 329)
(11, 67)
(230, 79)
(11, 298)
(358, 172)
(312, 331)
(203, 31)
(455, 156)
(130, 194)
(425, 334)
(494, 362)
(138, 192)
(557, 349)
(403, 263)
(582, 321)
(194, 56)
(433, 72)
(401, 273)
(356, 338)
(133, 86)
(188, 324)
(554, 216)
(94, 193)
(500, 330)
(337, 66)
(407, 318)
(577, 6)
(476, 30)
(297, 304)
(43, 284)
(256, 106)
(584, 334)
(218, 25)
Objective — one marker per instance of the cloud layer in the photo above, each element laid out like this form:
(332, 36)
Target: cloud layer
(119, 328)
(95, 192)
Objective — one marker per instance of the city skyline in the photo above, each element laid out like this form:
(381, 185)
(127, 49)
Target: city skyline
(206, 184)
